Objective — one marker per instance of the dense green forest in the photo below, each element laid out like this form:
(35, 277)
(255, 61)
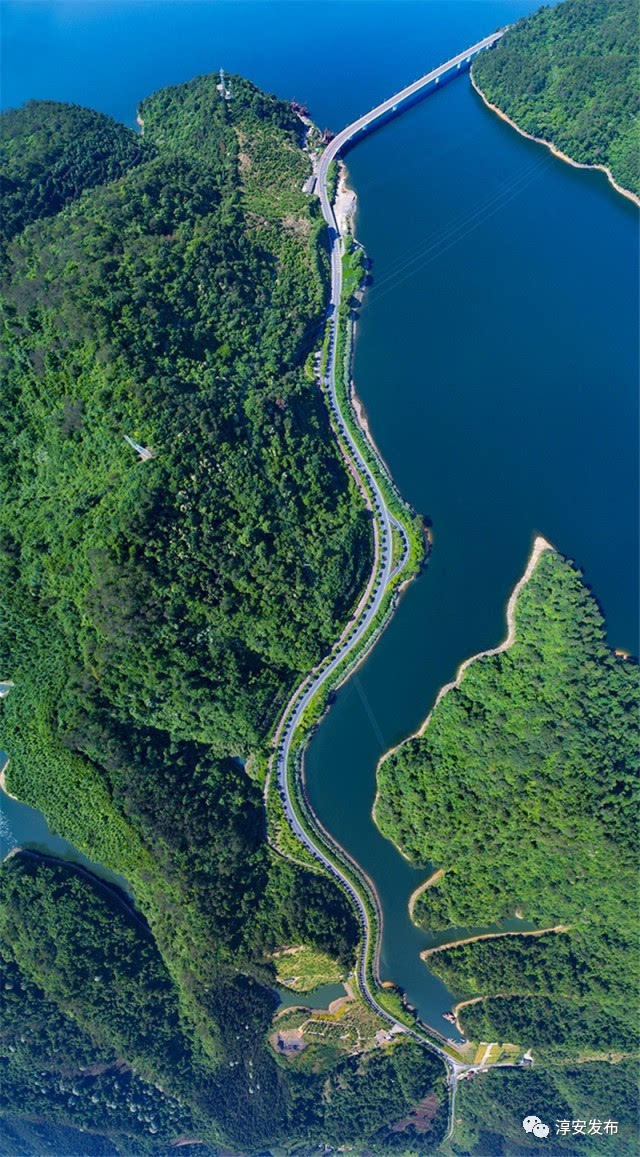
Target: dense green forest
(569, 74)
(95, 1031)
(490, 1111)
(50, 153)
(522, 790)
(156, 614)
(51, 1066)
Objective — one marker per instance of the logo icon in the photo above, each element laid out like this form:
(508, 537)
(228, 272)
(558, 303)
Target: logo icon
(533, 1124)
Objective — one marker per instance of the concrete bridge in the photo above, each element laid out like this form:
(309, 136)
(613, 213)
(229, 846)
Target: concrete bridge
(382, 574)
(382, 112)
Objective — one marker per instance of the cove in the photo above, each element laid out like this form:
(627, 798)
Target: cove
(24, 826)
(496, 356)
(320, 997)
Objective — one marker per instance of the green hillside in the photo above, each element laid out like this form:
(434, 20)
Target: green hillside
(157, 614)
(600, 1099)
(50, 153)
(96, 1035)
(569, 74)
(522, 790)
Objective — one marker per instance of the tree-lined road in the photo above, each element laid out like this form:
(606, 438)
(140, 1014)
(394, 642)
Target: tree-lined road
(383, 572)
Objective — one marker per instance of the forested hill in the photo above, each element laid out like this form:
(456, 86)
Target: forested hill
(50, 153)
(175, 600)
(95, 1037)
(157, 614)
(569, 74)
(523, 788)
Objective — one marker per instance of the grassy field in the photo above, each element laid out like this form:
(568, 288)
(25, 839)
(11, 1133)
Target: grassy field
(302, 969)
(490, 1054)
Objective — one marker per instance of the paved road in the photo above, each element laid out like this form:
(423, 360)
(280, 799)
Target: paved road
(383, 572)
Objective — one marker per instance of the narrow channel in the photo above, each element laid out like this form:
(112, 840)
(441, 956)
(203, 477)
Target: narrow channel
(501, 413)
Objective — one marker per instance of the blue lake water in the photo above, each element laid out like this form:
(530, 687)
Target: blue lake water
(496, 355)
(24, 826)
(319, 998)
(337, 56)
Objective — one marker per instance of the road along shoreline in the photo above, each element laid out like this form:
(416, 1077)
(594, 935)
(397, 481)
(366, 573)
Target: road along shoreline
(395, 535)
(392, 524)
(369, 472)
(554, 148)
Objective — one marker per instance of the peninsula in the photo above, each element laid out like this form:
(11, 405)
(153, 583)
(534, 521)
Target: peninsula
(520, 789)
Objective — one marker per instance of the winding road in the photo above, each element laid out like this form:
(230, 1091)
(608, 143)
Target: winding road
(382, 574)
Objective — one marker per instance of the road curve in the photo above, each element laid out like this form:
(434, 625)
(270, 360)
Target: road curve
(383, 572)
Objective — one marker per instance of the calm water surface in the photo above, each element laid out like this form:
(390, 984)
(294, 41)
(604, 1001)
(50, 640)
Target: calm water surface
(24, 826)
(320, 997)
(497, 358)
(496, 353)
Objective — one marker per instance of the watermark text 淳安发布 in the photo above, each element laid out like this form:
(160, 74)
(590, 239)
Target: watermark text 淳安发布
(585, 1128)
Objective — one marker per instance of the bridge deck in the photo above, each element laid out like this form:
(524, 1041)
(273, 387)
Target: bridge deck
(365, 122)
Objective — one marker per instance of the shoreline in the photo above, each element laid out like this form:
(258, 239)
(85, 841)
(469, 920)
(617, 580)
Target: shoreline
(361, 414)
(540, 545)
(346, 202)
(344, 208)
(434, 878)
(457, 1008)
(3, 783)
(492, 936)
(332, 1008)
(554, 148)
(359, 870)
(345, 225)
(362, 421)
(126, 900)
